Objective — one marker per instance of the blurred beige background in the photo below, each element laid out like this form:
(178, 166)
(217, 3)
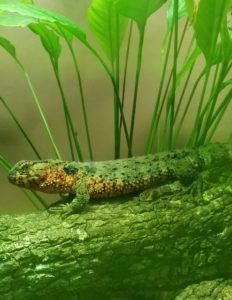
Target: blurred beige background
(97, 90)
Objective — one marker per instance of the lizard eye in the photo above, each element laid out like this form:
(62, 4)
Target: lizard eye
(70, 169)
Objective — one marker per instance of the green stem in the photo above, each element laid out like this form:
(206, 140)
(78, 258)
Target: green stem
(210, 106)
(189, 102)
(4, 163)
(187, 79)
(20, 127)
(198, 121)
(6, 166)
(171, 103)
(42, 115)
(116, 94)
(69, 123)
(115, 72)
(215, 121)
(41, 200)
(158, 108)
(82, 101)
(135, 97)
(178, 51)
(183, 92)
(28, 195)
(125, 69)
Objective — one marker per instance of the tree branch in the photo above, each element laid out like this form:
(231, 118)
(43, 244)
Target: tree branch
(146, 247)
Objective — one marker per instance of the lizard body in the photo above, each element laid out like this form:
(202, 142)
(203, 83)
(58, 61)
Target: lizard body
(101, 179)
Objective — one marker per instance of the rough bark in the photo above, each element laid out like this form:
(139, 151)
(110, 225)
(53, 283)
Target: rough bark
(149, 247)
(215, 289)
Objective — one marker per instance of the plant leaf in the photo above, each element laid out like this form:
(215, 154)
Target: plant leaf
(181, 11)
(191, 9)
(49, 40)
(8, 46)
(207, 25)
(17, 14)
(107, 26)
(138, 10)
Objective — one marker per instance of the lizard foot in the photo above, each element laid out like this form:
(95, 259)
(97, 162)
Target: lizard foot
(199, 186)
(62, 209)
(76, 206)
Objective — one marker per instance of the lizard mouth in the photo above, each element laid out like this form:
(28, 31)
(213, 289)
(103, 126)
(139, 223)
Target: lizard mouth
(23, 180)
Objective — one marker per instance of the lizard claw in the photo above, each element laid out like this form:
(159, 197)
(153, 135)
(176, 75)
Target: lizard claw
(64, 210)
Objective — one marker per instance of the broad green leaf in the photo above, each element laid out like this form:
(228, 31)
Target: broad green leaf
(49, 40)
(8, 46)
(181, 11)
(191, 9)
(107, 26)
(138, 10)
(6, 19)
(17, 14)
(207, 25)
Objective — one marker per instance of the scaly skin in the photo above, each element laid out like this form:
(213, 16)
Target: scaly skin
(86, 180)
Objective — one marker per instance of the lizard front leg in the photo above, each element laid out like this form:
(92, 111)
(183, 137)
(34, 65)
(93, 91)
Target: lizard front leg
(77, 204)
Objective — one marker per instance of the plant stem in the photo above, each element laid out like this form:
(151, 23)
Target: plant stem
(183, 92)
(218, 115)
(125, 70)
(116, 94)
(28, 195)
(41, 200)
(6, 166)
(187, 79)
(4, 163)
(209, 108)
(138, 70)
(171, 101)
(198, 122)
(115, 72)
(20, 128)
(69, 123)
(157, 112)
(42, 115)
(82, 101)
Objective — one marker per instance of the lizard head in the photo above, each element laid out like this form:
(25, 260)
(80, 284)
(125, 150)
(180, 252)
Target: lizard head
(50, 176)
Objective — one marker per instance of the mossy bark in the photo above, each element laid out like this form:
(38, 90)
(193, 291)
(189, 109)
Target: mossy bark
(214, 289)
(147, 247)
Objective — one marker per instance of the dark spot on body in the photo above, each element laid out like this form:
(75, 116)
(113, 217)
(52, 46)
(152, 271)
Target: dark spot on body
(70, 169)
(25, 166)
(91, 168)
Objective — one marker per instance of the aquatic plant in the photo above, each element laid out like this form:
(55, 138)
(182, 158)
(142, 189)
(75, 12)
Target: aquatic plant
(112, 23)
